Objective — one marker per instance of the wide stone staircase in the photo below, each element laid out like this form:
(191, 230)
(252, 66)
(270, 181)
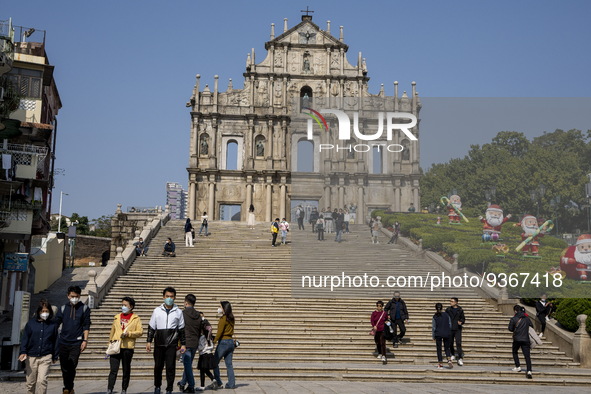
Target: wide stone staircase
(293, 333)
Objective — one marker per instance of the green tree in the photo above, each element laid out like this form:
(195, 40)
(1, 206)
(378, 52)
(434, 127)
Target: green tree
(82, 226)
(102, 227)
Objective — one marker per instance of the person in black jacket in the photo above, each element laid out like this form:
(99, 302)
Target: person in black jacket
(441, 332)
(169, 248)
(39, 347)
(543, 309)
(188, 233)
(166, 329)
(398, 313)
(193, 322)
(519, 325)
(456, 313)
(314, 215)
(75, 320)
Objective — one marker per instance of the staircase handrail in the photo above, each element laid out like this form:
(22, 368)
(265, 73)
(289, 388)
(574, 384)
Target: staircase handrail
(121, 263)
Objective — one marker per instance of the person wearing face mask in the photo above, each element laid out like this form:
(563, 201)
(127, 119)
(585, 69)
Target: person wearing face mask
(75, 320)
(543, 309)
(127, 327)
(166, 329)
(39, 348)
(225, 347)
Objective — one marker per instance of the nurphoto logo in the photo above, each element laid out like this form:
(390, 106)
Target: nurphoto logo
(391, 122)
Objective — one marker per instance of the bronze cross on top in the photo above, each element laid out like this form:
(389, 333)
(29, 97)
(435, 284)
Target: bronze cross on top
(307, 11)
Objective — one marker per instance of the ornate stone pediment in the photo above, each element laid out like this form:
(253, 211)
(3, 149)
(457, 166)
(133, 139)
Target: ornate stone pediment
(306, 33)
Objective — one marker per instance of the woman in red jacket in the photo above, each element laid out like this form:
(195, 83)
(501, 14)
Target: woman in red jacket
(378, 318)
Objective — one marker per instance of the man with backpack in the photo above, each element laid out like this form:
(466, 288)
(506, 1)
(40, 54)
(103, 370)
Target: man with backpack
(519, 325)
(75, 320)
(204, 222)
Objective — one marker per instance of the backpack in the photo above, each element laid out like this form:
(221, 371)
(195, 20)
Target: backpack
(319, 225)
(274, 228)
(204, 222)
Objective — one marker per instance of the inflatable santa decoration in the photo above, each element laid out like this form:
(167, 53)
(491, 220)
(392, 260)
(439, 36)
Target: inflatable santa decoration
(453, 214)
(529, 224)
(576, 259)
(492, 223)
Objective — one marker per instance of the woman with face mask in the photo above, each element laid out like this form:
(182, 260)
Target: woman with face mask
(127, 327)
(39, 347)
(225, 347)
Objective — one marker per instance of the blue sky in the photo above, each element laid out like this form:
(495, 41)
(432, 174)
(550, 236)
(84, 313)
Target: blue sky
(125, 70)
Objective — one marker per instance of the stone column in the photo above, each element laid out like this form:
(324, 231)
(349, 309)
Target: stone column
(327, 193)
(415, 196)
(397, 207)
(341, 201)
(192, 198)
(282, 194)
(360, 202)
(211, 202)
(248, 196)
(269, 202)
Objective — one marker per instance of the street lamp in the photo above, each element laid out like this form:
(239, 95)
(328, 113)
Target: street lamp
(555, 204)
(59, 219)
(536, 196)
(490, 194)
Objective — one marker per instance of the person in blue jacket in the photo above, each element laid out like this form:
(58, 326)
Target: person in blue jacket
(75, 320)
(39, 347)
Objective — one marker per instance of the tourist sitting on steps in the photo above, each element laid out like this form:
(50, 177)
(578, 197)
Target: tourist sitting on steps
(140, 248)
(169, 248)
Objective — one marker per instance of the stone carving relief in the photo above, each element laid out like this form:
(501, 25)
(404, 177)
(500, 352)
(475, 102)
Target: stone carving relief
(278, 62)
(307, 36)
(263, 93)
(335, 62)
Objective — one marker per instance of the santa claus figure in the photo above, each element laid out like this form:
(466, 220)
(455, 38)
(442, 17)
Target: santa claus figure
(491, 228)
(454, 202)
(576, 259)
(529, 224)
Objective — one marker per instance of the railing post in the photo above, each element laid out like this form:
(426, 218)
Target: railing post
(582, 343)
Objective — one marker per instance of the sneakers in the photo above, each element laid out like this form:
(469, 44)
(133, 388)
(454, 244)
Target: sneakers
(384, 360)
(199, 388)
(214, 385)
(109, 391)
(379, 357)
(529, 375)
(439, 366)
(395, 344)
(547, 318)
(189, 390)
(516, 369)
(450, 364)
(156, 390)
(181, 387)
(453, 358)
(460, 362)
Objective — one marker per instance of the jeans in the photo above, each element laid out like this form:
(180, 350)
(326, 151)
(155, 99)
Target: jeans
(225, 350)
(283, 236)
(188, 377)
(525, 349)
(201, 229)
(339, 236)
(124, 357)
(300, 223)
(446, 341)
(328, 224)
(274, 239)
(164, 355)
(69, 355)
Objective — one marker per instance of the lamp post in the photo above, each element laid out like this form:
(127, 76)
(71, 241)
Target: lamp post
(555, 204)
(536, 196)
(490, 194)
(59, 219)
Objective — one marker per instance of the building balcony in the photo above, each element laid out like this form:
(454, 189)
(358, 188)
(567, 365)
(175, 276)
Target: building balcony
(22, 161)
(16, 222)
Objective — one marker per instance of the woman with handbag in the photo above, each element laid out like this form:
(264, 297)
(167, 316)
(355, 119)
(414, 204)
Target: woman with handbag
(378, 318)
(225, 347)
(126, 328)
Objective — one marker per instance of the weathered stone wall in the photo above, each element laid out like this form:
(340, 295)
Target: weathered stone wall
(91, 247)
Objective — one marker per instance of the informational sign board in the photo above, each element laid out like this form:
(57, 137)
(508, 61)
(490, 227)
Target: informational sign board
(16, 262)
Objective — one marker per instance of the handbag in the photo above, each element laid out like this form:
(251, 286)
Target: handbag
(115, 346)
(534, 338)
(373, 330)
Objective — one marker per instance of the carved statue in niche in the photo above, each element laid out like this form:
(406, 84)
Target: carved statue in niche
(406, 150)
(260, 148)
(306, 64)
(278, 92)
(351, 153)
(204, 146)
(294, 62)
(263, 93)
(320, 89)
